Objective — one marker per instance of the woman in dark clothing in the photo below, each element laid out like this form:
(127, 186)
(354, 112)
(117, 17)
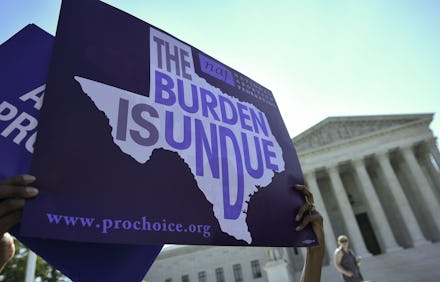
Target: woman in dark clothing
(346, 262)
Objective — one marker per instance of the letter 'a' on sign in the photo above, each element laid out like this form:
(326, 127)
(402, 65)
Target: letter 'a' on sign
(194, 151)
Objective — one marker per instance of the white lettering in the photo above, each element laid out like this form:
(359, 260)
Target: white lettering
(35, 95)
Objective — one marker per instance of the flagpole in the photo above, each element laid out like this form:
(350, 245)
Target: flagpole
(30, 267)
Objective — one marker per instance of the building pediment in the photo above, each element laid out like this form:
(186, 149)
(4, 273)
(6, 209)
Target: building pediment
(333, 130)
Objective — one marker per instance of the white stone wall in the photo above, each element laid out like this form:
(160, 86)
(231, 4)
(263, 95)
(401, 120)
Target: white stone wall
(207, 259)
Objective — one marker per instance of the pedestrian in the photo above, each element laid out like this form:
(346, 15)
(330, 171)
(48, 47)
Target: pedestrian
(346, 261)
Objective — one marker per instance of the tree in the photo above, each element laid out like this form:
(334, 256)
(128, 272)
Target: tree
(15, 270)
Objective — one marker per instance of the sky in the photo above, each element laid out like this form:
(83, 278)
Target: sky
(319, 58)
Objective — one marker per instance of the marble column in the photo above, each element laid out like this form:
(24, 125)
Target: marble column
(330, 239)
(402, 202)
(347, 213)
(423, 186)
(377, 212)
(433, 149)
(435, 169)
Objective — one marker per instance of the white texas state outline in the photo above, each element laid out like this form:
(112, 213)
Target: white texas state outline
(107, 99)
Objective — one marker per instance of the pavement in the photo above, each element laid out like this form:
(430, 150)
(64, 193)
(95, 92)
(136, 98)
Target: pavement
(407, 265)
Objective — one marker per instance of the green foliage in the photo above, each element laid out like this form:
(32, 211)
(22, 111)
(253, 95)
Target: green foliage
(15, 270)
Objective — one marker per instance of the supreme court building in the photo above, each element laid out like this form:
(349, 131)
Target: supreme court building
(374, 178)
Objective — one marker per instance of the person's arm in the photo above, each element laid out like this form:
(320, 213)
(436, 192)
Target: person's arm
(13, 192)
(338, 266)
(315, 254)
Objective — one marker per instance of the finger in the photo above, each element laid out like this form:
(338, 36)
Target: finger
(12, 191)
(23, 179)
(7, 245)
(308, 195)
(308, 219)
(10, 220)
(7, 250)
(306, 207)
(11, 205)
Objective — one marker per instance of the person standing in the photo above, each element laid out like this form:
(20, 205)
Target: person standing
(346, 262)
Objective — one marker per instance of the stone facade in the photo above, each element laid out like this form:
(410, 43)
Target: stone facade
(374, 178)
(195, 262)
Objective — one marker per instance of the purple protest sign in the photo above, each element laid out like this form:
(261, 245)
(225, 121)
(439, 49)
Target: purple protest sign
(146, 139)
(25, 60)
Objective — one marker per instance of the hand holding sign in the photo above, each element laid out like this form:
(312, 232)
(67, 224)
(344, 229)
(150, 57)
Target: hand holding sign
(308, 215)
(13, 192)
